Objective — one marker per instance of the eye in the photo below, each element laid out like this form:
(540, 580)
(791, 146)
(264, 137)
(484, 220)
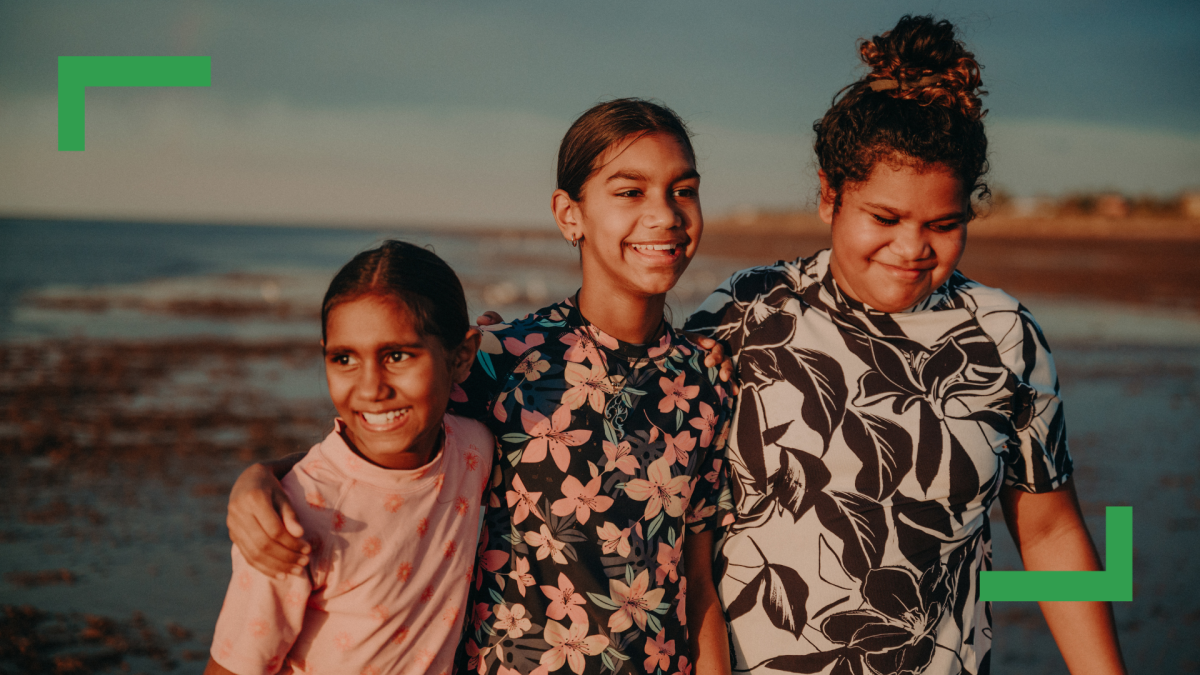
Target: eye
(629, 192)
(339, 359)
(686, 192)
(946, 227)
(884, 221)
(397, 357)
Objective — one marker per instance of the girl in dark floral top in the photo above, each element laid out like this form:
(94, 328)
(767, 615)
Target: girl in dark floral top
(888, 402)
(610, 481)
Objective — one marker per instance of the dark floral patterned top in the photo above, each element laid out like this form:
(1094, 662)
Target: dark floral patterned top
(609, 454)
(866, 451)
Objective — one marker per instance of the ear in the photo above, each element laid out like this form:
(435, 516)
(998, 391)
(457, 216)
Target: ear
(566, 215)
(464, 355)
(828, 199)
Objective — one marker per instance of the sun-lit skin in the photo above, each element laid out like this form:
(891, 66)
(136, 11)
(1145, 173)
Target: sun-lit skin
(898, 236)
(389, 382)
(645, 193)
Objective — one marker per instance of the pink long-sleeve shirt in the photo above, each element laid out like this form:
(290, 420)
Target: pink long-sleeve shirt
(386, 586)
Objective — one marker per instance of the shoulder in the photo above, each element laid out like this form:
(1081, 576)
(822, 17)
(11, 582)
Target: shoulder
(467, 431)
(754, 287)
(1009, 324)
(317, 482)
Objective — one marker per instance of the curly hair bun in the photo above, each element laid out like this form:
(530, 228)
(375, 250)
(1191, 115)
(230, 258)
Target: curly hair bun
(920, 59)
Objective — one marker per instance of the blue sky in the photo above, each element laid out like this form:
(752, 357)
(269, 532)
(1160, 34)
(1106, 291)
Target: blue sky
(450, 112)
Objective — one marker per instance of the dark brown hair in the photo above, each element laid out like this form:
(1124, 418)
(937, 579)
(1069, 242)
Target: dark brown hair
(902, 122)
(412, 275)
(605, 124)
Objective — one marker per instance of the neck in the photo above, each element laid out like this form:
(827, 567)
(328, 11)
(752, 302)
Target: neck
(633, 319)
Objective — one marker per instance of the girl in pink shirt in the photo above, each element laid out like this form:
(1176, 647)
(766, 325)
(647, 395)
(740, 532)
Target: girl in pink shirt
(391, 497)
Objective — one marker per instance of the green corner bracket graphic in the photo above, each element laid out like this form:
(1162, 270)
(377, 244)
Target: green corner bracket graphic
(1115, 583)
(75, 73)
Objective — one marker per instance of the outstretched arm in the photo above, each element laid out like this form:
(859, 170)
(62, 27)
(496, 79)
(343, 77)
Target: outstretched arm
(262, 523)
(1050, 532)
(707, 637)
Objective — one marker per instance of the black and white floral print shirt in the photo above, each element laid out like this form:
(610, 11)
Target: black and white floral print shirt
(866, 450)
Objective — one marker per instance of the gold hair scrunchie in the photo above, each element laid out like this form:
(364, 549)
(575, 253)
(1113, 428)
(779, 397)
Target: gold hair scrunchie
(884, 85)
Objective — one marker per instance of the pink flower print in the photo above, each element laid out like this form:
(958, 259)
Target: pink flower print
(581, 347)
(547, 545)
(551, 434)
(274, 662)
(380, 612)
(371, 547)
(676, 395)
(461, 506)
(404, 571)
(523, 500)
(509, 671)
(244, 579)
(512, 621)
(393, 503)
(339, 520)
(668, 561)
(570, 646)
(492, 561)
(685, 668)
(660, 492)
(681, 605)
(565, 601)
(423, 527)
(342, 641)
(532, 366)
(367, 670)
(614, 539)
(399, 636)
(450, 615)
(660, 651)
(580, 499)
(314, 499)
(518, 347)
(427, 594)
(678, 447)
(663, 346)
(713, 475)
(706, 423)
(425, 658)
(259, 628)
(475, 658)
(588, 385)
(471, 460)
(490, 344)
(481, 614)
(521, 575)
(632, 602)
(451, 549)
(619, 457)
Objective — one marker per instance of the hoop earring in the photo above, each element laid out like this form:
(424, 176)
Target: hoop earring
(575, 242)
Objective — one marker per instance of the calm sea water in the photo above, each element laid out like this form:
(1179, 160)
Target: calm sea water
(153, 541)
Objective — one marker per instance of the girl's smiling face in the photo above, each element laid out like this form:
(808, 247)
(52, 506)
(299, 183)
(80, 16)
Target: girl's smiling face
(898, 236)
(390, 382)
(638, 218)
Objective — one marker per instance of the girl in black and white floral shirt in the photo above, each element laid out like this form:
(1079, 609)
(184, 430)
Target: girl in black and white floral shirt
(887, 402)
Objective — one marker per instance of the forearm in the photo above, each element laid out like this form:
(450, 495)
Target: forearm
(1085, 631)
(1052, 536)
(707, 636)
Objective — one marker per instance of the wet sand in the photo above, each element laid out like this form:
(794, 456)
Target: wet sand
(119, 453)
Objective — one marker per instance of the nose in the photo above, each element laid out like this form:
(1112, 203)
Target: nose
(911, 242)
(662, 211)
(372, 385)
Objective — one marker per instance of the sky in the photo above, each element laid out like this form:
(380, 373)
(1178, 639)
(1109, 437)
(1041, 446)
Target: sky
(450, 113)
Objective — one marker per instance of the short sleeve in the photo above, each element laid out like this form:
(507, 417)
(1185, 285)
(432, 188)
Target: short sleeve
(1037, 458)
(711, 503)
(493, 362)
(260, 619)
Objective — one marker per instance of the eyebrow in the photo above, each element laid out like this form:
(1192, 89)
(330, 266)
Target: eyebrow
(955, 215)
(638, 176)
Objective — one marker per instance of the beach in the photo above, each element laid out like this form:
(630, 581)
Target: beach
(143, 365)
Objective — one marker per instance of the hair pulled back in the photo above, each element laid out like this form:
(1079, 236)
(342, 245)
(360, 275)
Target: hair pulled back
(411, 274)
(605, 124)
(920, 105)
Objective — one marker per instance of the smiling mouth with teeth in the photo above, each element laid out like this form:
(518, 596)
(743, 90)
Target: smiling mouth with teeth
(669, 248)
(383, 418)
